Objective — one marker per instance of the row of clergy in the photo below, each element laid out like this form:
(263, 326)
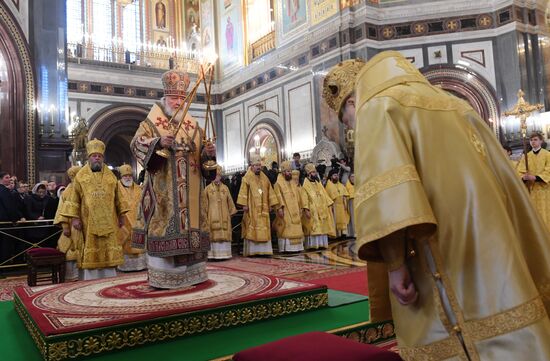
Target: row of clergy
(305, 216)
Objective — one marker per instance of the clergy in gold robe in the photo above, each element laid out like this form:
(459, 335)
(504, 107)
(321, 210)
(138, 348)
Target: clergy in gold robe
(288, 220)
(71, 240)
(350, 187)
(318, 220)
(257, 198)
(220, 208)
(467, 255)
(134, 258)
(536, 178)
(96, 207)
(171, 221)
(339, 195)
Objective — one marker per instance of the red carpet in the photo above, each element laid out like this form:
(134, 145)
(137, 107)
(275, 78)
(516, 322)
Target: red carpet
(86, 305)
(354, 281)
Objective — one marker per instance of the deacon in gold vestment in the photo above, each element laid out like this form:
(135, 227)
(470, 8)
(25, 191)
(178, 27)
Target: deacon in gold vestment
(288, 222)
(70, 241)
(339, 195)
(468, 257)
(171, 222)
(538, 176)
(257, 197)
(220, 208)
(318, 221)
(96, 207)
(134, 258)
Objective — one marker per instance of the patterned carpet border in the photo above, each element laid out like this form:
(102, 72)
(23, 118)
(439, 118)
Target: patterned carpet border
(308, 277)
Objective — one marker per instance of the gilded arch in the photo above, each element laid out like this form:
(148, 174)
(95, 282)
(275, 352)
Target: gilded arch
(470, 86)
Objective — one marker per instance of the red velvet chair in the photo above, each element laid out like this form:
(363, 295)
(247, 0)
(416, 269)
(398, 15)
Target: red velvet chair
(45, 258)
(316, 346)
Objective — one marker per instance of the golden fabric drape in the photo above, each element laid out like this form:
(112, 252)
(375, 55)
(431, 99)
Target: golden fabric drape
(427, 163)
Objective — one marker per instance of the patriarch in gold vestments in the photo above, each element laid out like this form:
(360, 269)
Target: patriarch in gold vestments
(220, 208)
(468, 257)
(318, 221)
(538, 176)
(339, 195)
(171, 221)
(71, 240)
(96, 207)
(288, 221)
(134, 258)
(257, 198)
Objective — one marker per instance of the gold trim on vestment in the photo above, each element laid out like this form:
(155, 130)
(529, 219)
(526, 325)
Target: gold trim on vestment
(389, 179)
(477, 330)
(408, 99)
(439, 350)
(389, 229)
(471, 331)
(507, 321)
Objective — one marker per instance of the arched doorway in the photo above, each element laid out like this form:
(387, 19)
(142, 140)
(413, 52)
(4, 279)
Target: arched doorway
(470, 86)
(116, 128)
(264, 140)
(17, 107)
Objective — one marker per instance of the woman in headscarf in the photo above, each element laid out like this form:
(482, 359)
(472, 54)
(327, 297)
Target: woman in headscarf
(35, 206)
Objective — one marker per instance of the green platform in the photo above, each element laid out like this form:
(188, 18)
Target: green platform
(350, 320)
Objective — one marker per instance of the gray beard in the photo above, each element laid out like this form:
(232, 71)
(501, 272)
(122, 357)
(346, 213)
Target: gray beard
(96, 167)
(169, 111)
(127, 183)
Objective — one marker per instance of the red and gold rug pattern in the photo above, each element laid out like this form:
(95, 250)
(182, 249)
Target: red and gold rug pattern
(274, 266)
(7, 286)
(86, 305)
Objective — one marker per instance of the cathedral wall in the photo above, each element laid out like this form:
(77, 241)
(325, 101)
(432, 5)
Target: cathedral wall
(496, 45)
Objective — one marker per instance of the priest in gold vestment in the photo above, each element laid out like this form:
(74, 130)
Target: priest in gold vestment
(171, 221)
(538, 176)
(467, 255)
(257, 198)
(134, 258)
(97, 208)
(288, 221)
(339, 195)
(318, 221)
(70, 241)
(220, 208)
